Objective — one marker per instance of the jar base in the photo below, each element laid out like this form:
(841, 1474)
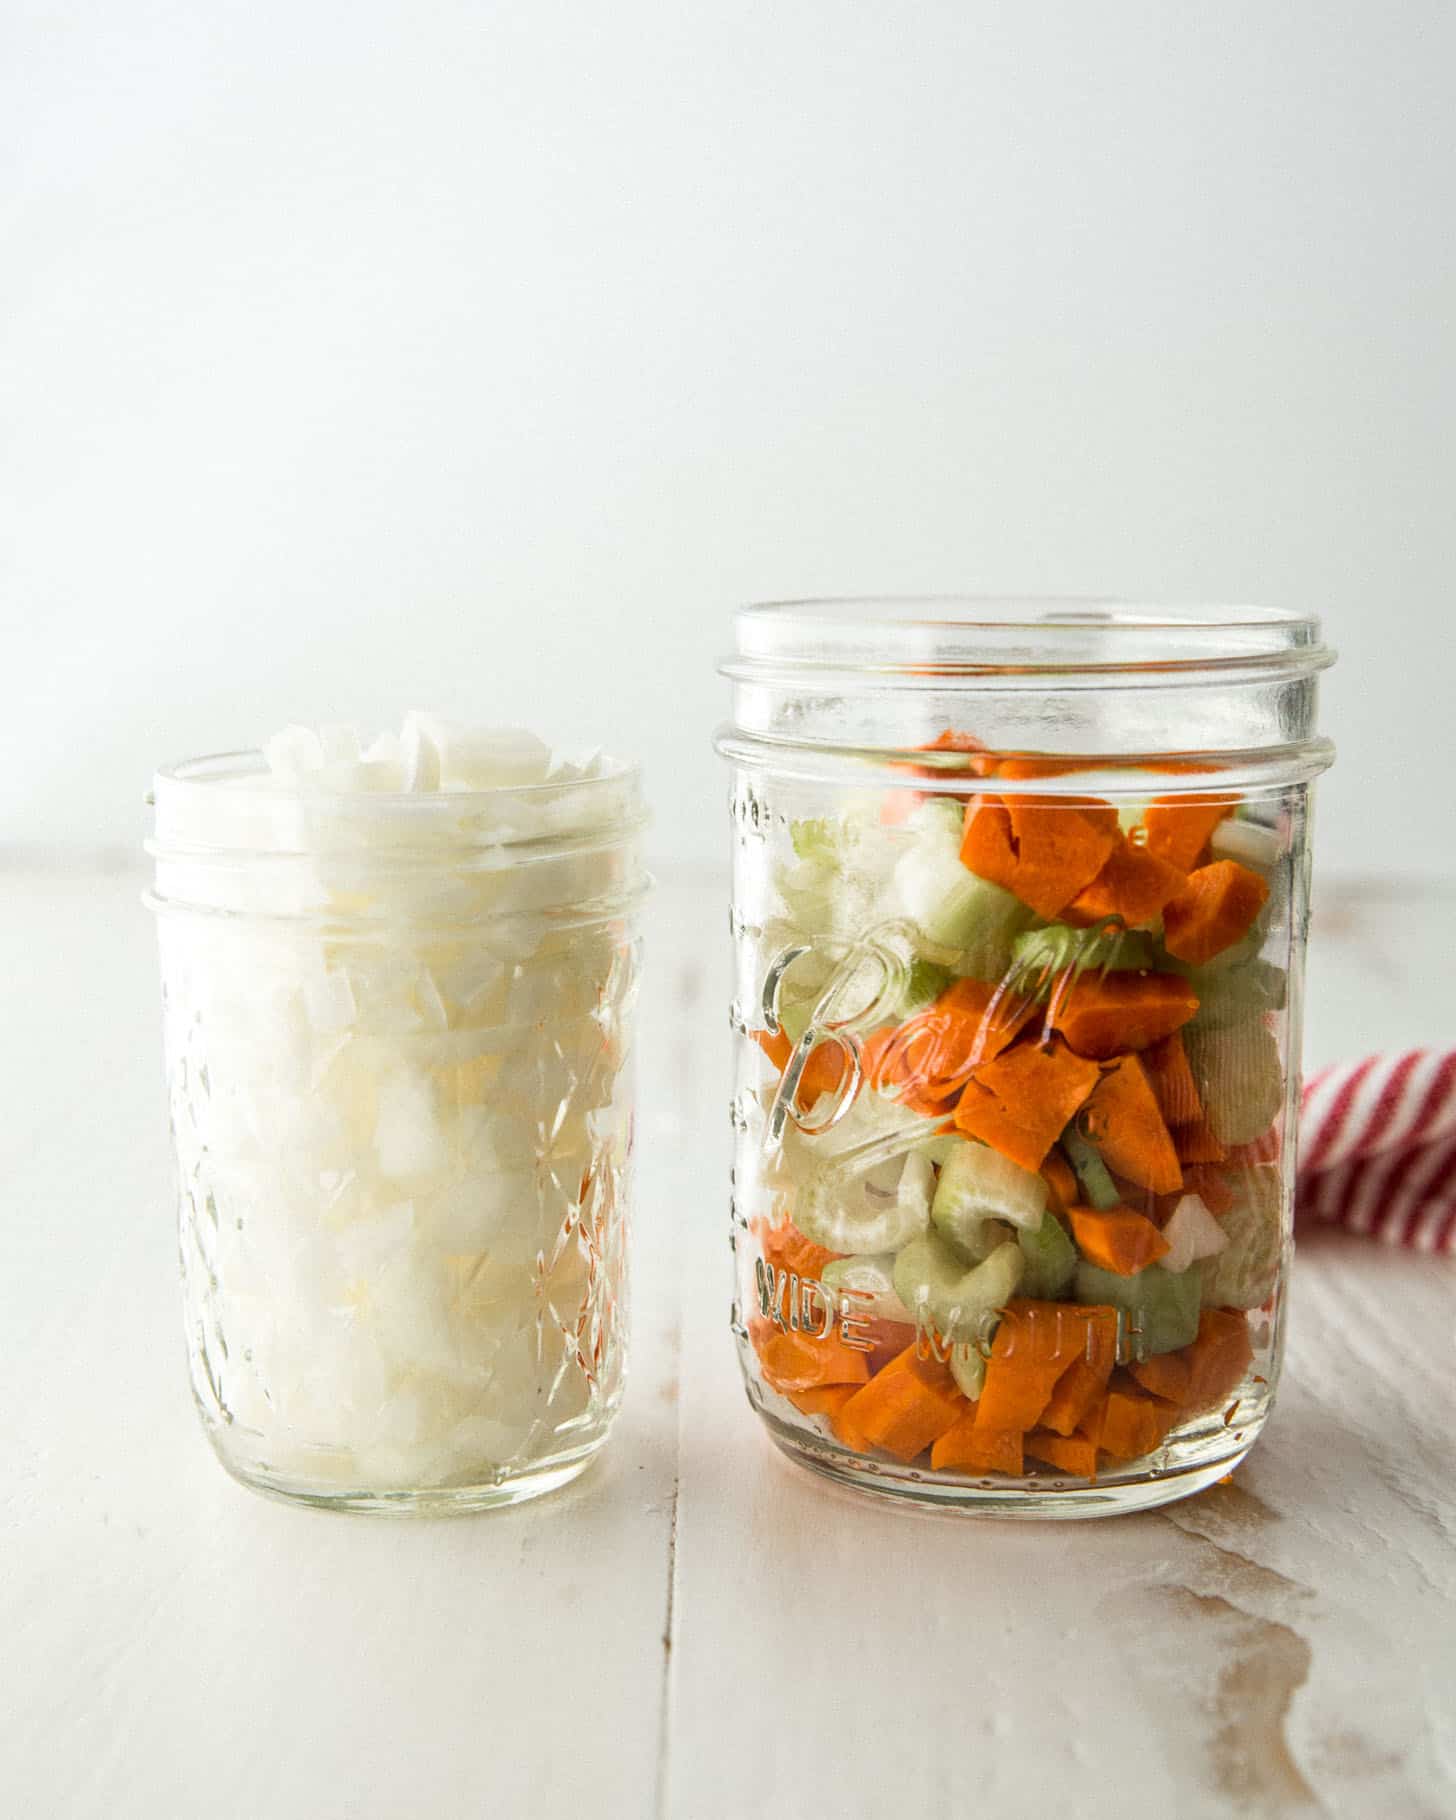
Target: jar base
(430, 1501)
(1055, 1497)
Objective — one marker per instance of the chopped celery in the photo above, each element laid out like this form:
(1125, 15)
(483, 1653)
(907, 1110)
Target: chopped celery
(1229, 993)
(1161, 1306)
(968, 1368)
(1042, 955)
(815, 838)
(1050, 1256)
(1249, 843)
(1240, 1078)
(978, 1185)
(872, 1283)
(955, 909)
(931, 1279)
(1092, 1173)
(1244, 1273)
(863, 1186)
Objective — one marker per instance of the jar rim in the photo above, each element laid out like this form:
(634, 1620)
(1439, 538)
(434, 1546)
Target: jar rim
(938, 636)
(219, 805)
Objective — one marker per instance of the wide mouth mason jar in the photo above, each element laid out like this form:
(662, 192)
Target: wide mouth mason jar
(1019, 910)
(397, 1032)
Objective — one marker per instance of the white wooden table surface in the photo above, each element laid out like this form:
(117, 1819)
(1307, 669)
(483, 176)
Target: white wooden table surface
(696, 1629)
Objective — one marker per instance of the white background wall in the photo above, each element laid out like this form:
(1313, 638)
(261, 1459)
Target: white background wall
(391, 353)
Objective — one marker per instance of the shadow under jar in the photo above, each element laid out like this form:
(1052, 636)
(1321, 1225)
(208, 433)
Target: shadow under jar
(397, 1036)
(1019, 910)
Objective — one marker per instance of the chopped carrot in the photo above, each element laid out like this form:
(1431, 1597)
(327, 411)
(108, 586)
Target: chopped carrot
(898, 804)
(1165, 1374)
(1071, 1453)
(1134, 884)
(1031, 766)
(1035, 1343)
(925, 1061)
(1103, 1015)
(1196, 1143)
(1134, 1423)
(1021, 1102)
(967, 1447)
(1217, 1358)
(786, 1249)
(1060, 1179)
(1044, 850)
(905, 1407)
(1215, 909)
(823, 1066)
(887, 1340)
(1123, 1120)
(1177, 1093)
(1117, 1239)
(1077, 1392)
(1178, 828)
(1211, 1185)
(822, 1399)
(798, 1361)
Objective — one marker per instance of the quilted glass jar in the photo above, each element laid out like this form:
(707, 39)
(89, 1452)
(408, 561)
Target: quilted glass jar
(1019, 909)
(397, 1034)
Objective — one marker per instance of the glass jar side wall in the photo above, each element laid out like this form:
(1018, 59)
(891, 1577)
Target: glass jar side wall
(403, 1162)
(928, 1299)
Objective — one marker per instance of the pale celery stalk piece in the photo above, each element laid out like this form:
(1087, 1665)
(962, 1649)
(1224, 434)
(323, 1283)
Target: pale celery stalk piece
(978, 1185)
(870, 1282)
(1050, 1258)
(1092, 1173)
(1244, 1273)
(1162, 1308)
(933, 1280)
(1240, 1078)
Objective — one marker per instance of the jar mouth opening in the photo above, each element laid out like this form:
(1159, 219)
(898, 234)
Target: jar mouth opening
(237, 770)
(228, 805)
(940, 636)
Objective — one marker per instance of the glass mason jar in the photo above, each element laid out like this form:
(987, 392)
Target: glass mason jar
(397, 1033)
(1019, 911)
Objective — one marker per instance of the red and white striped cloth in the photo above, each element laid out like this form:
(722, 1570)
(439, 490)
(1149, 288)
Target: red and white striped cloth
(1377, 1149)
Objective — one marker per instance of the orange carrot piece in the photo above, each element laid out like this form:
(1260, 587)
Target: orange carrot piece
(1044, 850)
(1117, 1239)
(1134, 884)
(1021, 1102)
(822, 1399)
(1172, 1078)
(1060, 1179)
(1165, 1374)
(1196, 1143)
(1076, 1395)
(925, 1061)
(1071, 1453)
(785, 1248)
(1217, 1358)
(1215, 909)
(1134, 1423)
(1124, 1122)
(967, 1447)
(1178, 828)
(905, 1407)
(887, 1340)
(1035, 1344)
(798, 1361)
(1104, 1015)
(776, 1047)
